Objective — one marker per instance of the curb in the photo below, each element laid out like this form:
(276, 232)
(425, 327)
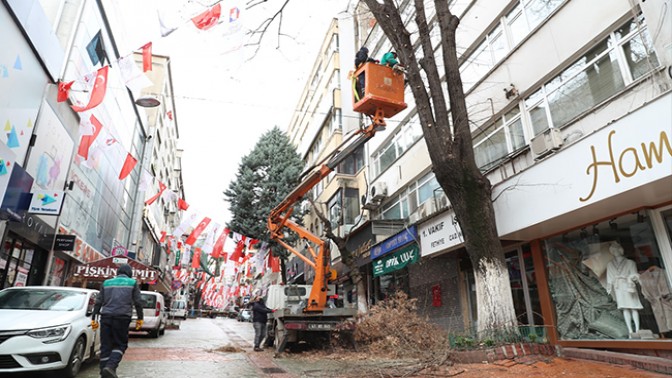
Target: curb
(504, 352)
(650, 363)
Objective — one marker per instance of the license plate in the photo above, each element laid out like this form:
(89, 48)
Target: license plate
(320, 326)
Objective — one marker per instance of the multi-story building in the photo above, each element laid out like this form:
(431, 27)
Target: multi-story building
(571, 106)
(324, 115)
(62, 41)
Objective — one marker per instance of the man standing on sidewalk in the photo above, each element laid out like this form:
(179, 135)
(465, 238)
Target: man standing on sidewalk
(115, 304)
(259, 318)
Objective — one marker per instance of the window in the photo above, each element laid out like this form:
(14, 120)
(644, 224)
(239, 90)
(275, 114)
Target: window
(593, 78)
(405, 138)
(353, 163)
(350, 205)
(505, 136)
(413, 196)
(590, 274)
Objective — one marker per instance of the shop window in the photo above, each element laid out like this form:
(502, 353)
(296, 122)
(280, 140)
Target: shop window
(607, 281)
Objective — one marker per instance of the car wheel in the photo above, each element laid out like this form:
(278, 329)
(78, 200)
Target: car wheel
(154, 333)
(76, 358)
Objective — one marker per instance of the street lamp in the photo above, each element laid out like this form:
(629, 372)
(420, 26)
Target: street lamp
(148, 102)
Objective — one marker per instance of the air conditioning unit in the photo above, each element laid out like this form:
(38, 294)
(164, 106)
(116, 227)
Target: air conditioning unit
(378, 191)
(545, 143)
(414, 217)
(426, 209)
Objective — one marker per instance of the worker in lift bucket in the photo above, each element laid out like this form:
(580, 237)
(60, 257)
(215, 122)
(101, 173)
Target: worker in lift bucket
(390, 59)
(361, 57)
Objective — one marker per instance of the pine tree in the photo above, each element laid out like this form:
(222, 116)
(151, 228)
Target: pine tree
(264, 178)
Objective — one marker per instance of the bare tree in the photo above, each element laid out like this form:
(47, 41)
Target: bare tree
(451, 150)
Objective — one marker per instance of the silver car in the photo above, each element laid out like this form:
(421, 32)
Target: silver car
(46, 328)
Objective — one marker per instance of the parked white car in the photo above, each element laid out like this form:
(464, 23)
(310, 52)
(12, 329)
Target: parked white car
(47, 328)
(154, 314)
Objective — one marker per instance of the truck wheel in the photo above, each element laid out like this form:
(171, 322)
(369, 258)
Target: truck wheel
(280, 340)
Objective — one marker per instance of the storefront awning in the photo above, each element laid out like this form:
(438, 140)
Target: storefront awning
(107, 268)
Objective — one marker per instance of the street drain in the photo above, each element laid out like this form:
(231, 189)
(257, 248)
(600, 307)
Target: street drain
(272, 370)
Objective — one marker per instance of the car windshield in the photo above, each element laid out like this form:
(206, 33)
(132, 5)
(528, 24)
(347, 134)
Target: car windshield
(41, 299)
(148, 300)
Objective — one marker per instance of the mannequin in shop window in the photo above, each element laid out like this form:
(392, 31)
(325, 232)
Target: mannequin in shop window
(657, 291)
(622, 280)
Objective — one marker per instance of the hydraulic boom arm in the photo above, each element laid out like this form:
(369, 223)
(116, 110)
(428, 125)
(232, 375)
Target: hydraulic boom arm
(279, 220)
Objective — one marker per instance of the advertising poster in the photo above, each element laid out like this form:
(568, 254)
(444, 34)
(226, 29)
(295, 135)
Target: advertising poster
(21, 277)
(7, 158)
(22, 83)
(51, 154)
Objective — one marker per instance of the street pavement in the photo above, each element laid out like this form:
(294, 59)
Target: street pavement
(222, 347)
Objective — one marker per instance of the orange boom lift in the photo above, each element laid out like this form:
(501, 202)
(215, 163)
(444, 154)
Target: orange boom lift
(383, 97)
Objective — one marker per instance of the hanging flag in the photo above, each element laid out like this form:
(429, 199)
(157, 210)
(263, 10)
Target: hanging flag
(146, 180)
(129, 164)
(162, 187)
(209, 18)
(87, 140)
(218, 249)
(182, 204)
(238, 252)
(196, 259)
(63, 89)
(133, 78)
(275, 263)
(187, 220)
(211, 238)
(197, 231)
(163, 237)
(98, 92)
(147, 57)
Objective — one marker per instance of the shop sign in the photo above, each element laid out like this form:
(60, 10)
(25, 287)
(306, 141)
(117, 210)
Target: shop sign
(47, 202)
(64, 242)
(440, 233)
(397, 260)
(402, 238)
(107, 268)
(614, 160)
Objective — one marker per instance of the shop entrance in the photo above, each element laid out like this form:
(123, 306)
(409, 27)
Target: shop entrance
(21, 263)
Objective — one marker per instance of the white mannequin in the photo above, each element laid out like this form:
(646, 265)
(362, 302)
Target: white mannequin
(621, 278)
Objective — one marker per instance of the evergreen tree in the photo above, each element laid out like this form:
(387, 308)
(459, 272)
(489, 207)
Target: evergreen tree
(264, 178)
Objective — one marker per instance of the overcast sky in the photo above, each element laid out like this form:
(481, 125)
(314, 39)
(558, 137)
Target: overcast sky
(224, 102)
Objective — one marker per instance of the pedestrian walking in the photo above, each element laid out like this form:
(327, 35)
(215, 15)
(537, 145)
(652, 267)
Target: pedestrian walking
(115, 304)
(259, 319)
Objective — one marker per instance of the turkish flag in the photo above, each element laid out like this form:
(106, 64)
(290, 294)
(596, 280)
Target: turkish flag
(218, 249)
(129, 164)
(209, 18)
(238, 252)
(275, 264)
(162, 187)
(87, 140)
(182, 204)
(147, 57)
(197, 231)
(63, 89)
(196, 260)
(98, 92)
(163, 237)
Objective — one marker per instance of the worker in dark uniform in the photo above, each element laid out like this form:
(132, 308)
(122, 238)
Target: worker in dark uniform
(115, 304)
(259, 318)
(361, 57)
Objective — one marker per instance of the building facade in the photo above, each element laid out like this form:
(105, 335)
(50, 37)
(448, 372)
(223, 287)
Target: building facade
(64, 41)
(570, 103)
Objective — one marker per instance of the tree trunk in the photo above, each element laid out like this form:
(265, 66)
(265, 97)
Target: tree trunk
(451, 151)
